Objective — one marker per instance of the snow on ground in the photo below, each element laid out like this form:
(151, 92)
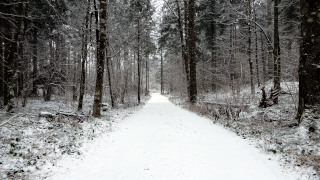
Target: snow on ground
(29, 142)
(273, 130)
(163, 141)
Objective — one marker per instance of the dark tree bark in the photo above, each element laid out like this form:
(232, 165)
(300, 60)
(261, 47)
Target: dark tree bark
(309, 66)
(276, 53)
(184, 55)
(1, 69)
(187, 45)
(75, 77)
(264, 65)
(109, 66)
(162, 83)
(249, 48)
(139, 64)
(100, 59)
(21, 29)
(35, 61)
(84, 57)
(10, 71)
(11, 35)
(256, 45)
(269, 34)
(213, 45)
(192, 54)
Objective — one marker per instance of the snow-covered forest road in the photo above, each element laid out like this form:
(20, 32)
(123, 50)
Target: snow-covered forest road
(163, 141)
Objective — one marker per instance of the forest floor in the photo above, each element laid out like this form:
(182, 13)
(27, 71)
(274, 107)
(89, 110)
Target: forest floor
(274, 130)
(28, 143)
(164, 141)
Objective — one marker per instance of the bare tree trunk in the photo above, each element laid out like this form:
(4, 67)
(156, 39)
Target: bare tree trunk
(269, 34)
(232, 64)
(249, 48)
(184, 55)
(20, 55)
(1, 69)
(139, 63)
(192, 54)
(213, 45)
(100, 59)
(109, 66)
(309, 66)
(162, 84)
(256, 41)
(75, 72)
(84, 57)
(10, 73)
(147, 80)
(35, 61)
(276, 54)
(187, 47)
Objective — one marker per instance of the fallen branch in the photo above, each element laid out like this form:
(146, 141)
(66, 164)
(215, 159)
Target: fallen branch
(47, 115)
(3, 123)
(62, 113)
(227, 105)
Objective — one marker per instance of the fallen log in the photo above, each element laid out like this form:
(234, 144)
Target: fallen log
(47, 114)
(62, 113)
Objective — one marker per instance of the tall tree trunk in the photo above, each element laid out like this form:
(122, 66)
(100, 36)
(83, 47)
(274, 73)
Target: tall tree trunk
(35, 61)
(256, 45)
(96, 15)
(100, 59)
(147, 80)
(269, 34)
(213, 45)
(75, 79)
(192, 54)
(276, 54)
(84, 57)
(249, 48)
(11, 47)
(232, 64)
(187, 45)
(184, 55)
(264, 65)
(109, 67)
(20, 55)
(139, 64)
(162, 83)
(10, 72)
(309, 66)
(1, 69)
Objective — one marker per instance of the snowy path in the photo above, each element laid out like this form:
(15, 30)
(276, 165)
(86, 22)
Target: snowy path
(163, 141)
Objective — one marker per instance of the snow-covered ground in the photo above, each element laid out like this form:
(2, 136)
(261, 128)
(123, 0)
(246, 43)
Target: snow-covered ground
(273, 130)
(29, 142)
(163, 141)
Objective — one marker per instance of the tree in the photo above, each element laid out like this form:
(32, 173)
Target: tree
(249, 47)
(309, 65)
(276, 54)
(100, 59)
(213, 43)
(84, 56)
(192, 53)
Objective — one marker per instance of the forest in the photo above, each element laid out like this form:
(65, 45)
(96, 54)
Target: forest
(70, 68)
